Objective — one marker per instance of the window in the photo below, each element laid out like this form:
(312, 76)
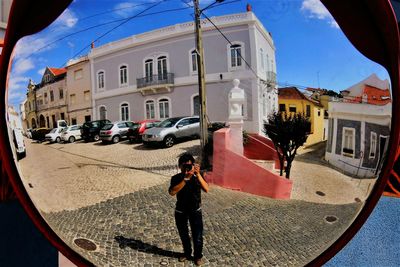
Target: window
(29, 104)
(61, 92)
(123, 75)
(193, 61)
(292, 108)
(282, 108)
(184, 122)
(308, 111)
(196, 105)
(124, 112)
(162, 67)
(262, 59)
(51, 96)
(86, 95)
(47, 78)
(78, 74)
(164, 108)
(372, 148)
(62, 115)
(148, 70)
(348, 143)
(103, 113)
(150, 114)
(73, 121)
(236, 53)
(319, 112)
(87, 118)
(72, 98)
(45, 98)
(100, 80)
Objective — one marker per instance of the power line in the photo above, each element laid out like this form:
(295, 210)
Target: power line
(122, 23)
(103, 24)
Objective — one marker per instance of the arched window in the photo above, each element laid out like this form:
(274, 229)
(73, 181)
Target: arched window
(124, 112)
(162, 67)
(123, 75)
(236, 55)
(163, 105)
(148, 70)
(150, 114)
(196, 105)
(103, 113)
(100, 80)
(193, 61)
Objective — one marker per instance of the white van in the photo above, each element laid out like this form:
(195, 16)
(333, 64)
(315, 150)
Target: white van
(19, 143)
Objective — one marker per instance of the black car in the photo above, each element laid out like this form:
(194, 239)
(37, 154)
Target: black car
(39, 134)
(91, 130)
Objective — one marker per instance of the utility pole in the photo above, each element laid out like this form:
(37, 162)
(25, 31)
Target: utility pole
(202, 88)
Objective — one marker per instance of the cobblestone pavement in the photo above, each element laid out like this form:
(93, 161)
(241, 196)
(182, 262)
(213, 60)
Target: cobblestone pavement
(138, 229)
(116, 196)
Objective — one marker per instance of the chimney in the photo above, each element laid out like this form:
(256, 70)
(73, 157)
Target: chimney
(248, 8)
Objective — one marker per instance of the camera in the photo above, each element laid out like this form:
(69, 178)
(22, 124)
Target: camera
(187, 167)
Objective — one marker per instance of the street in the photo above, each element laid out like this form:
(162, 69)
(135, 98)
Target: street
(116, 197)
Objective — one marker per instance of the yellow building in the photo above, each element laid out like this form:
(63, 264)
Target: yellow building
(290, 99)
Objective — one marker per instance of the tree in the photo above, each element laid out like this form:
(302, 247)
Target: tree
(288, 133)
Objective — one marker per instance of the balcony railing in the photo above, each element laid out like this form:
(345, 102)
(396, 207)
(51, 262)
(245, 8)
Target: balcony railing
(155, 80)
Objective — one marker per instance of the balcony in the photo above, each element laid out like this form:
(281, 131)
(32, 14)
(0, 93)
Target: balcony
(271, 78)
(155, 84)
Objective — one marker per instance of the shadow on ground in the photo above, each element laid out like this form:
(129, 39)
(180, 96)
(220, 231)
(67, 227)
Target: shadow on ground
(144, 247)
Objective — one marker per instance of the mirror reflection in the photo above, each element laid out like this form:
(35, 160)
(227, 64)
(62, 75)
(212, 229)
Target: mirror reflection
(103, 102)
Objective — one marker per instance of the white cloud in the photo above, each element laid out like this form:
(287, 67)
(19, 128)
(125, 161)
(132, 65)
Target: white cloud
(18, 82)
(22, 65)
(125, 9)
(315, 9)
(67, 19)
(41, 71)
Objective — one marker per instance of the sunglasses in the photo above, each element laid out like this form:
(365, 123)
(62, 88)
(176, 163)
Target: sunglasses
(370, 26)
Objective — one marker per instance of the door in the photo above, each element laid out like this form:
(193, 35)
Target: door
(148, 66)
(183, 128)
(162, 68)
(383, 144)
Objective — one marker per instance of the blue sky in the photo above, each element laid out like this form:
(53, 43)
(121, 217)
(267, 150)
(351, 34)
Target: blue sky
(311, 50)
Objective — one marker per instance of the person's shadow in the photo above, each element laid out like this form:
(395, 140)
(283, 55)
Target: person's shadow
(144, 247)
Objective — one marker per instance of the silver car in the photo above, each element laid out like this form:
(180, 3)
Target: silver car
(114, 132)
(169, 130)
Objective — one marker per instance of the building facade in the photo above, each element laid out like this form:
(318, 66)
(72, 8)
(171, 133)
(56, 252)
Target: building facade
(51, 104)
(359, 128)
(154, 75)
(358, 137)
(291, 100)
(30, 106)
(79, 98)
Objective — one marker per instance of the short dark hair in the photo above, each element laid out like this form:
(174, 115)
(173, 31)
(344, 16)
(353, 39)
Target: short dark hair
(185, 157)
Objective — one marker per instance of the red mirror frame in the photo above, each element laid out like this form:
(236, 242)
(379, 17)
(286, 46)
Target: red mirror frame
(370, 25)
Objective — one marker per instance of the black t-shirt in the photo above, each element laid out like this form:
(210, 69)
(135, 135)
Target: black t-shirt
(189, 197)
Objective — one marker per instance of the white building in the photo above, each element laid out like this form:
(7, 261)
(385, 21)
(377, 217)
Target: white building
(154, 75)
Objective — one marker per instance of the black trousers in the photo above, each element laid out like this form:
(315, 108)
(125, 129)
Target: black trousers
(195, 219)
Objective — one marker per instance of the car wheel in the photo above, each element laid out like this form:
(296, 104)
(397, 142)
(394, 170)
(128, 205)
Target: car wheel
(169, 141)
(71, 139)
(58, 140)
(96, 138)
(115, 139)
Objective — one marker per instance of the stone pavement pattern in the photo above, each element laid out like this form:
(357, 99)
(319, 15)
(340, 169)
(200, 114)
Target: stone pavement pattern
(240, 229)
(116, 195)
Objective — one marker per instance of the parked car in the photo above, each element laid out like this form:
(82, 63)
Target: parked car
(168, 131)
(71, 133)
(91, 130)
(39, 134)
(114, 132)
(54, 135)
(19, 143)
(136, 131)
